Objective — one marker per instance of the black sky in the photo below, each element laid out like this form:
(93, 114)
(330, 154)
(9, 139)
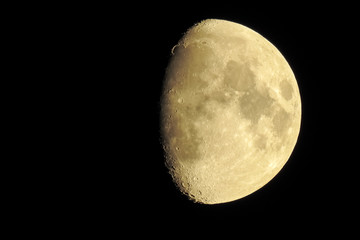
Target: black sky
(135, 47)
(309, 41)
(87, 83)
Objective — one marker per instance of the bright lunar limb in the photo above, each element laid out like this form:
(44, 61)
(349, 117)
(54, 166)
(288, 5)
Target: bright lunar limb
(230, 112)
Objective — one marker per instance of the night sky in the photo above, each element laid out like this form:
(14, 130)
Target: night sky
(131, 46)
(309, 183)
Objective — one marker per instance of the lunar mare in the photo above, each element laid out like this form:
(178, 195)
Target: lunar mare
(230, 112)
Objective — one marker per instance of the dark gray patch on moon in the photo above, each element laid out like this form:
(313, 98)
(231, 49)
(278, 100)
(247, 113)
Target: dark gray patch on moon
(185, 138)
(239, 76)
(201, 109)
(202, 106)
(253, 104)
(281, 121)
(188, 145)
(260, 141)
(286, 89)
(219, 97)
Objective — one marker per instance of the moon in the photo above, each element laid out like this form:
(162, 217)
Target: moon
(230, 112)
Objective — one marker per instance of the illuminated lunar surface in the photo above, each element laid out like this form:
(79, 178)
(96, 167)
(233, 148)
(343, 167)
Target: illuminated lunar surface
(230, 112)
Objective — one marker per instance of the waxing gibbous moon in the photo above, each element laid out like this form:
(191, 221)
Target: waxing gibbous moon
(230, 112)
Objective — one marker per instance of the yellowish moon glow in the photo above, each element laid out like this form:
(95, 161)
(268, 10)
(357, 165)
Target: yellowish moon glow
(230, 112)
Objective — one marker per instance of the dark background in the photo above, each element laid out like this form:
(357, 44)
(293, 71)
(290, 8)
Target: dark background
(314, 186)
(314, 41)
(102, 69)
